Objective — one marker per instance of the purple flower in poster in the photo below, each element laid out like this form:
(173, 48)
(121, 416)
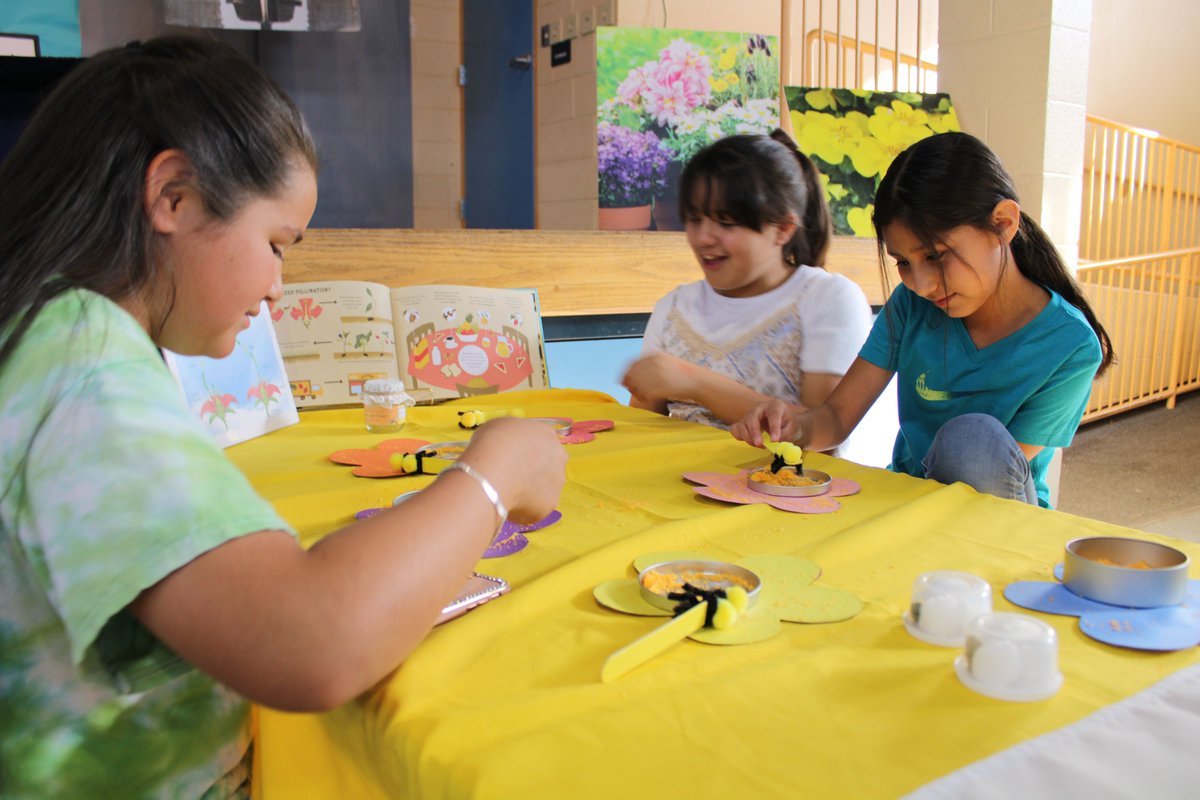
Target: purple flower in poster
(632, 166)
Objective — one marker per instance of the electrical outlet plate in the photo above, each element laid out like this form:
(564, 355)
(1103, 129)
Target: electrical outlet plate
(556, 28)
(605, 15)
(570, 26)
(587, 21)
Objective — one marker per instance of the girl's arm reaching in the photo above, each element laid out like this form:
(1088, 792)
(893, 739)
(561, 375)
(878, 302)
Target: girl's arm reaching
(309, 630)
(825, 426)
(656, 378)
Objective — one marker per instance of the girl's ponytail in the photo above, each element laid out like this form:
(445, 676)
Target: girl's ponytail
(1039, 260)
(810, 244)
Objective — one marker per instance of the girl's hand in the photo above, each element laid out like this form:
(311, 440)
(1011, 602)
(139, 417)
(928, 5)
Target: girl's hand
(775, 417)
(658, 377)
(524, 460)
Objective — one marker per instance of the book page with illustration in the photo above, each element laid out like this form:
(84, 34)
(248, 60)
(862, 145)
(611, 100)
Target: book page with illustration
(461, 341)
(456, 341)
(242, 395)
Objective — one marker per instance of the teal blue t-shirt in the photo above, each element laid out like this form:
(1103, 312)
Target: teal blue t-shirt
(1036, 381)
(108, 486)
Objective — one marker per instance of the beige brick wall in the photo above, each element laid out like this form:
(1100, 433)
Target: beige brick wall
(437, 113)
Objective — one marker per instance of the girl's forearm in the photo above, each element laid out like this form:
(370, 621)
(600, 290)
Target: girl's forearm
(308, 630)
(727, 399)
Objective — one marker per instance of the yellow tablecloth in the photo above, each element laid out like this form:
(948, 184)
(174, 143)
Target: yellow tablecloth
(506, 702)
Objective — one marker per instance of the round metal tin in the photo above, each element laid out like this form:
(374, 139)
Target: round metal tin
(561, 425)
(707, 575)
(1159, 578)
(825, 480)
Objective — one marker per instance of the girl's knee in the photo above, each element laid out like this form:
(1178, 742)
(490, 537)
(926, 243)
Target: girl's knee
(973, 448)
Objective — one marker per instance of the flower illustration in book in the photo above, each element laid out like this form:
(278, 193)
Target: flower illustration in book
(217, 407)
(668, 93)
(853, 135)
(264, 394)
(242, 395)
(306, 310)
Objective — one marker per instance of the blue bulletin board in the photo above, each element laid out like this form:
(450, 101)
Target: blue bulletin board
(54, 22)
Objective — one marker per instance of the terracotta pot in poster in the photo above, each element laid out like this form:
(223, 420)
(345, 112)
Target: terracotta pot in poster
(632, 218)
(666, 208)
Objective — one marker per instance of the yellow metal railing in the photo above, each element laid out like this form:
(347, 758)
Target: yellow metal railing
(1141, 192)
(885, 45)
(1150, 305)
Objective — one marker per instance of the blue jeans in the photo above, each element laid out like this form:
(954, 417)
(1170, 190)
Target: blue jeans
(980, 452)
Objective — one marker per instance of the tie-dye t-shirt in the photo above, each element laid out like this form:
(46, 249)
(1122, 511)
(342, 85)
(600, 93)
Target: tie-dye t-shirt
(108, 486)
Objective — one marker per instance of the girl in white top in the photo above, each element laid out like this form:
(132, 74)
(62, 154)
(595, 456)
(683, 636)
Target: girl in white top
(767, 321)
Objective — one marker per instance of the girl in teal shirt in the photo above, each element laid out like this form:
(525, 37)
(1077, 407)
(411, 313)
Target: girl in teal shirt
(994, 345)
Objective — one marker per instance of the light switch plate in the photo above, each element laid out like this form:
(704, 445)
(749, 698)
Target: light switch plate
(604, 13)
(556, 33)
(587, 21)
(570, 26)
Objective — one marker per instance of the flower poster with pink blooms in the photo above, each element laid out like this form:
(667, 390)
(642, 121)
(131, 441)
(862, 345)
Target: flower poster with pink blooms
(244, 394)
(663, 94)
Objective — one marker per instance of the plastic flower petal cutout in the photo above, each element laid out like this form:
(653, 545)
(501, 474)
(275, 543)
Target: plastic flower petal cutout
(787, 595)
(376, 462)
(734, 489)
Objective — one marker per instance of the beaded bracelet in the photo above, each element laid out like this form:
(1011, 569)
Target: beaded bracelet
(486, 485)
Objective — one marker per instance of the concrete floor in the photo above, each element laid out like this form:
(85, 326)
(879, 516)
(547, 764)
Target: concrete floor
(1140, 469)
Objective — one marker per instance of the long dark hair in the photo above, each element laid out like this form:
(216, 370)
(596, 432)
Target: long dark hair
(953, 179)
(756, 180)
(71, 190)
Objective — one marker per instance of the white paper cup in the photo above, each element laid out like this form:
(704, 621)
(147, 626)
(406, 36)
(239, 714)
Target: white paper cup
(1010, 657)
(943, 603)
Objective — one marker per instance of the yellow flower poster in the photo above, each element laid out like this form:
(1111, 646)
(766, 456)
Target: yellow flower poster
(854, 134)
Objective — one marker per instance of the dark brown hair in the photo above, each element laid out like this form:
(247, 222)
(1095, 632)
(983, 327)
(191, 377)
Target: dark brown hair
(71, 189)
(756, 180)
(953, 179)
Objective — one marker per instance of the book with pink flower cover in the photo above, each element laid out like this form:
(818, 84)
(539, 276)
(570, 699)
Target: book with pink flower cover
(447, 341)
(244, 395)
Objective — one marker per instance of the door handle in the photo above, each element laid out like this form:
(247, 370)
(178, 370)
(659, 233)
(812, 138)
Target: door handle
(523, 61)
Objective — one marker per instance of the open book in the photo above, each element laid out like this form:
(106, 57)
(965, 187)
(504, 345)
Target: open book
(456, 341)
(242, 395)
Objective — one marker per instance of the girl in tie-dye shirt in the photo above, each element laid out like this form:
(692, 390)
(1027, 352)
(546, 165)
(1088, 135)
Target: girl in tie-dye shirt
(146, 591)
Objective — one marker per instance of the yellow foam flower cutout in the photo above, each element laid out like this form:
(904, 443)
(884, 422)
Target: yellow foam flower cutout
(728, 58)
(732, 79)
(717, 84)
(859, 220)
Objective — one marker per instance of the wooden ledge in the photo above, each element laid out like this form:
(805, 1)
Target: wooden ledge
(575, 272)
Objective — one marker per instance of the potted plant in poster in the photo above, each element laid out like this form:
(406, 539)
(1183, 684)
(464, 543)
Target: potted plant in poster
(698, 87)
(633, 170)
